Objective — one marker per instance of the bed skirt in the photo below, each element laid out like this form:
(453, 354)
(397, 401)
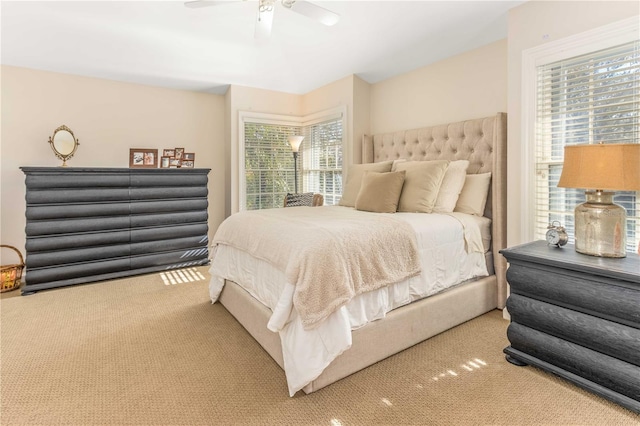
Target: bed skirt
(400, 329)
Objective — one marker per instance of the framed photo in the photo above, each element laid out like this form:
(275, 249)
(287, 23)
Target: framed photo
(164, 162)
(174, 162)
(187, 164)
(143, 158)
(169, 152)
(189, 156)
(179, 152)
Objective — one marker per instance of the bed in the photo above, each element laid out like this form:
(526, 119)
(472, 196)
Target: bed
(317, 346)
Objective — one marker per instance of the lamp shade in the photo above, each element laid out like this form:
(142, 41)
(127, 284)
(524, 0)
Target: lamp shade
(295, 142)
(614, 167)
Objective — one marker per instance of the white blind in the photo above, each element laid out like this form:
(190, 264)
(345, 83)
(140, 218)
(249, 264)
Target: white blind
(268, 163)
(269, 166)
(321, 154)
(591, 98)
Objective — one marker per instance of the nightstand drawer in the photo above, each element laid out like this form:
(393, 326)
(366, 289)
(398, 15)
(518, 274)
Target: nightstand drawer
(607, 337)
(609, 372)
(598, 296)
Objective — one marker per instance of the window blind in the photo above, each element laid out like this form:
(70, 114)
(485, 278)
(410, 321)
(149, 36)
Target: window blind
(268, 160)
(269, 166)
(592, 98)
(321, 153)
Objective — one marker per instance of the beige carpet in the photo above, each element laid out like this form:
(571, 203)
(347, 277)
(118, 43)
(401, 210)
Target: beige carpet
(139, 351)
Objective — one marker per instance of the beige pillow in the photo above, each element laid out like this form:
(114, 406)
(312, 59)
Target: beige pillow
(380, 192)
(394, 166)
(451, 186)
(473, 196)
(354, 179)
(421, 185)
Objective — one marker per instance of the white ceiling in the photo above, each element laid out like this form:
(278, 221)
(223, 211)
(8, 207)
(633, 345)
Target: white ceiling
(164, 43)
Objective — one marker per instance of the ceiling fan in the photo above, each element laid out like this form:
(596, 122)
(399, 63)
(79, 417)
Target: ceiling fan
(264, 18)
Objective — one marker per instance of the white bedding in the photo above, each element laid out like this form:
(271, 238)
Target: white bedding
(330, 254)
(451, 252)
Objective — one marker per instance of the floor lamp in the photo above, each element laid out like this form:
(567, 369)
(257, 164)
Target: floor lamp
(295, 142)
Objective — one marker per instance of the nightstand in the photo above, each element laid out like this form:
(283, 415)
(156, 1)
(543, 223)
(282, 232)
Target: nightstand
(578, 317)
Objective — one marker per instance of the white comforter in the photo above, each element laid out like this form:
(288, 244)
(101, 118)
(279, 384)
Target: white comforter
(451, 252)
(330, 254)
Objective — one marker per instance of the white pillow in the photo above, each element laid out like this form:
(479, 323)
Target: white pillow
(421, 185)
(451, 186)
(473, 196)
(354, 180)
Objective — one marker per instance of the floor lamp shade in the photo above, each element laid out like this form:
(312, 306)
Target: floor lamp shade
(295, 142)
(600, 224)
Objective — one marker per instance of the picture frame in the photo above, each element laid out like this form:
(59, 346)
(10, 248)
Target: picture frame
(174, 162)
(179, 152)
(187, 164)
(143, 158)
(164, 162)
(189, 156)
(171, 152)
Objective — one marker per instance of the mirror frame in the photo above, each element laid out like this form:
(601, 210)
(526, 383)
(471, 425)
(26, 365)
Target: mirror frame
(63, 157)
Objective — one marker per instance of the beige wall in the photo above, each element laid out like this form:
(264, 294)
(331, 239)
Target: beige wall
(361, 116)
(108, 118)
(532, 24)
(247, 99)
(241, 98)
(333, 95)
(469, 85)
(354, 94)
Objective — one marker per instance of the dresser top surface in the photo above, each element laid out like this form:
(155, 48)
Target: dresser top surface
(110, 170)
(627, 268)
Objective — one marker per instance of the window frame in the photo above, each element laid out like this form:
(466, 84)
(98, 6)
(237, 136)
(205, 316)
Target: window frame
(604, 37)
(283, 120)
(324, 118)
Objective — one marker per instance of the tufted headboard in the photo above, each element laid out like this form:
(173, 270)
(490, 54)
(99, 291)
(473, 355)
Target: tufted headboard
(483, 142)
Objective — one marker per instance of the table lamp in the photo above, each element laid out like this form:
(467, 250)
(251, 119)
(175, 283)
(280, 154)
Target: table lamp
(600, 224)
(295, 142)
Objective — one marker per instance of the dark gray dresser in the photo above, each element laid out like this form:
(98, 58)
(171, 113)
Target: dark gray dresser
(93, 224)
(578, 317)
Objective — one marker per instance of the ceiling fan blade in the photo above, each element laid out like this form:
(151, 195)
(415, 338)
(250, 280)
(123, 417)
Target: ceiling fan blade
(264, 22)
(196, 4)
(310, 10)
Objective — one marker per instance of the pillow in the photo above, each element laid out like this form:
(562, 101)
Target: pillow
(296, 200)
(421, 185)
(354, 179)
(380, 192)
(394, 165)
(451, 186)
(473, 196)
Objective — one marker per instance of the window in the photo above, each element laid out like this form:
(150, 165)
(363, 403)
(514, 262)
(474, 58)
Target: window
(591, 98)
(268, 164)
(268, 172)
(321, 154)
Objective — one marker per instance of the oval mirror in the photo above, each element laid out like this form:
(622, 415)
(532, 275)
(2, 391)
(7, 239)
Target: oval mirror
(64, 143)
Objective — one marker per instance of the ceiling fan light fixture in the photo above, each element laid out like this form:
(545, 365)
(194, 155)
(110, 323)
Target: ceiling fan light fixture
(266, 5)
(264, 19)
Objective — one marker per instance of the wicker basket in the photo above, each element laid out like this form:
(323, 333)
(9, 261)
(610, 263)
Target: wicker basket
(10, 275)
